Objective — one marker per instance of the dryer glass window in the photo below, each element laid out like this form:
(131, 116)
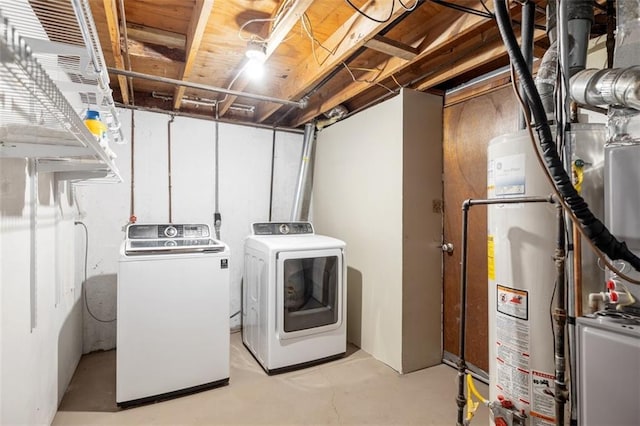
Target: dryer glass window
(310, 292)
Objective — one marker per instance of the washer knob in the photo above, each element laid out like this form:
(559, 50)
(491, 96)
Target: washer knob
(170, 231)
(284, 229)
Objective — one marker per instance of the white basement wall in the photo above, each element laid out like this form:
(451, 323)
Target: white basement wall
(40, 288)
(244, 193)
(377, 176)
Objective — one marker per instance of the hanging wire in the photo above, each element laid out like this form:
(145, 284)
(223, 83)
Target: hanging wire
(254, 36)
(407, 8)
(84, 287)
(381, 21)
(308, 28)
(464, 9)
(484, 6)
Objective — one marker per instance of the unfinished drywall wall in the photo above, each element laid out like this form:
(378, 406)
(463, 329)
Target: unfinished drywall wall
(40, 328)
(376, 175)
(245, 196)
(358, 198)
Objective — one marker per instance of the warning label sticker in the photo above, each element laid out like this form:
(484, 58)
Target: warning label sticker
(491, 262)
(513, 302)
(542, 404)
(512, 360)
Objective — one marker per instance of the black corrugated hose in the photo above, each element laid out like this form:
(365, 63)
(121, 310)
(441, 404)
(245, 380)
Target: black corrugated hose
(593, 227)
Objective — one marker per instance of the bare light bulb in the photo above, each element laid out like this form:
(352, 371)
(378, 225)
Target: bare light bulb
(254, 69)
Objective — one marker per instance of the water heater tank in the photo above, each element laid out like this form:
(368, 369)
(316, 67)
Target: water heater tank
(521, 274)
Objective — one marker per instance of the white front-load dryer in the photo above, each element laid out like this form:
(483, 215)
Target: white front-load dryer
(294, 296)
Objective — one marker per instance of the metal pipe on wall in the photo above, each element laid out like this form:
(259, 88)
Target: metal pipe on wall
(305, 160)
(461, 399)
(217, 216)
(299, 104)
(526, 46)
(169, 167)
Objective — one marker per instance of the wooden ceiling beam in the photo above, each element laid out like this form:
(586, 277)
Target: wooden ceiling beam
(150, 35)
(392, 48)
(197, 26)
(111, 15)
(348, 38)
(284, 27)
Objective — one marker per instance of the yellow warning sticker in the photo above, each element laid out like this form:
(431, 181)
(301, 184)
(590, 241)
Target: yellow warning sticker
(491, 262)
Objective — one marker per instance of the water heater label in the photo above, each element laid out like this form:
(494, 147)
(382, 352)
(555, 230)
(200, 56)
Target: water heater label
(508, 175)
(542, 404)
(513, 302)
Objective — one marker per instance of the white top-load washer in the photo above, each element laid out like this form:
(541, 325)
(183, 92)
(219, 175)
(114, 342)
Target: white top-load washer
(173, 312)
(294, 296)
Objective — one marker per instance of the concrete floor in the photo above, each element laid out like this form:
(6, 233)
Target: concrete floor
(356, 389)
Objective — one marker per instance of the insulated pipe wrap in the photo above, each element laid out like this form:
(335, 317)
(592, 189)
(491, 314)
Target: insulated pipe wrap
(593, 227)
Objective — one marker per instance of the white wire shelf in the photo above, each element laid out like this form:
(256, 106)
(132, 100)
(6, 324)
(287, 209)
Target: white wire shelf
(51, 72)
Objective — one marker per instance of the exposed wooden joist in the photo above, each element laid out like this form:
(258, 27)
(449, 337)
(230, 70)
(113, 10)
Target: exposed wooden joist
(155, 52)
(493, 50)
(445, 36)
(348, 38)
(197, 26)
(392, 47)
(446, 33)
(156, 36)
(114, 37)
(285, 25)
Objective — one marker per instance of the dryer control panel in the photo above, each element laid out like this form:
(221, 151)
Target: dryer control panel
(282, 228)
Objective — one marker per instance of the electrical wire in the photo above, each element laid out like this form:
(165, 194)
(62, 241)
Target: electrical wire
(308, 28)
(484, 6)
(381, 21)
(407, 8)
(254, 36)
(357, 80)
(464, 9)
(235, 314)
(84, 287)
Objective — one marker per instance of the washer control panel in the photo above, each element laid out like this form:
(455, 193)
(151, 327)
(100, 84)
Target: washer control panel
(167, 231)
(282, 228)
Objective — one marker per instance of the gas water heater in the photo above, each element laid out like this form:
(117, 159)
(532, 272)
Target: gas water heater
(521, 269)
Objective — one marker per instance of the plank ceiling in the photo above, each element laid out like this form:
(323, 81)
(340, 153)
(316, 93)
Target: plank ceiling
(321, 51)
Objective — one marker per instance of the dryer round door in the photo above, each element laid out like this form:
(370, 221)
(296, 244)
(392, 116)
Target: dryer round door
(309, 287)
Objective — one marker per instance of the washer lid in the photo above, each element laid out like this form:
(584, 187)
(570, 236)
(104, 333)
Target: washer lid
(172, 246)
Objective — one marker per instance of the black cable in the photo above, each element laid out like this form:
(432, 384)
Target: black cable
(464, 9)
(484, 6)
(84, 287)
(593, 228)
(235, 314)
(369, 17)
(407, 8)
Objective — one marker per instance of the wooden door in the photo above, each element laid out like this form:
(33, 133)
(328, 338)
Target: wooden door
(468, 127)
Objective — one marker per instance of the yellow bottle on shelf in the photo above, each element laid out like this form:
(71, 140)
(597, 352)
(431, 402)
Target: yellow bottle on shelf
(94, 124)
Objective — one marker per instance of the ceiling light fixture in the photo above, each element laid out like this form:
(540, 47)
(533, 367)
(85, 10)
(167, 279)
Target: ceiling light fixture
(257, 54)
